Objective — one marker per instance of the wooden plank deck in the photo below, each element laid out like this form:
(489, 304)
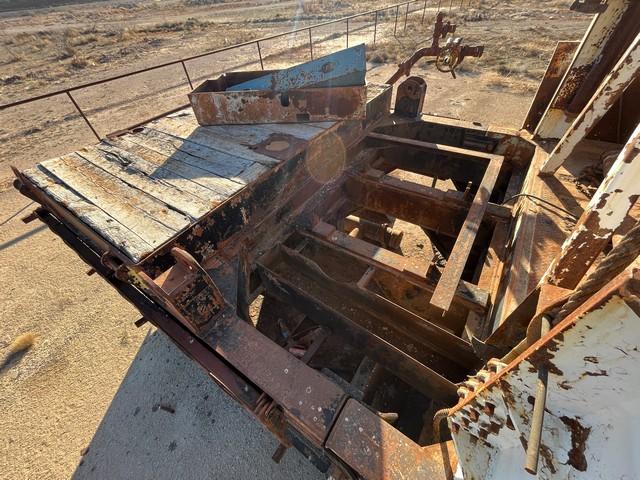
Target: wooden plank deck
(140, 189)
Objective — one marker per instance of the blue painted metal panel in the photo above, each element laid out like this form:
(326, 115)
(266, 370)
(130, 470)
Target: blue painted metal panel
(345, 68)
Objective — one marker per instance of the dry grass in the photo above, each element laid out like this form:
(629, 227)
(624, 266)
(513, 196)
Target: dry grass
(17, 350)
(22, 342)
(314, 7)
(518, 53)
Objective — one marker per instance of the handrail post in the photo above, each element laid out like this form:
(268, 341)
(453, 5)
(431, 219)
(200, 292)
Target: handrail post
(375, 28)
(310, 44)
(184, 67)
(347, 33)
(450, 5)
(83, 115)
(395, 28)
(260, 55)
(406, 14)
(424, 11)
(439, 4)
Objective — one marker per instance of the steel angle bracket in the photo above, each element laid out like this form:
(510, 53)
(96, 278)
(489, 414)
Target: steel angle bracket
(185, 290)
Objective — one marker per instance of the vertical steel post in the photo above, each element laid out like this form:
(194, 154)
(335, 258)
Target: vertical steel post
(406, 14)
(260, 55)
(539, 403)
(310, 44)
(439, 4)
(395, 28)
(347, 33)
(424, 11)
(184, 67)
(450, 5)
(375, 28)
(84, 117)
(461, 3)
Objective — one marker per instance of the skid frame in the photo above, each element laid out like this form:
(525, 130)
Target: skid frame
(301, 366)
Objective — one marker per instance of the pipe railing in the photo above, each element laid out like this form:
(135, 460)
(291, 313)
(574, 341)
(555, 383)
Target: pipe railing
(183, 61)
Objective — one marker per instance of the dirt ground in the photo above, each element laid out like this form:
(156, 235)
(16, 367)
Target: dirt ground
(84, 393)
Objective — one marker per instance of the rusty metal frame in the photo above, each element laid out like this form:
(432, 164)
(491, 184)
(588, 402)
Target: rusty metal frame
(198, 286)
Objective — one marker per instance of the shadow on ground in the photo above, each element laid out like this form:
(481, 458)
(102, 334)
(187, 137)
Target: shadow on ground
(170, 420)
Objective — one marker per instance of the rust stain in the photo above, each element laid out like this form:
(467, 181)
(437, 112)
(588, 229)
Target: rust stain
(574, 79)
(281, 146)
(213, 105)
(579, 436)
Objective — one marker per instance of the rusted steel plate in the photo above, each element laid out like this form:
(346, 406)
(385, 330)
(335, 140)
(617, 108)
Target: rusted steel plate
(281, 146)
(623, 74)
(317, 297)
(377, 451)
(573, 79)
(214, 107)
(591, 357)
(620, 39)
(446, 288)
(558, 65)
(339, 69)
(605, 213)
(310, 401)
(410, 97)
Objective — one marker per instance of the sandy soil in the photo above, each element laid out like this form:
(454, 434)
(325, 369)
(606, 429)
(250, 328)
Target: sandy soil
(80, 391)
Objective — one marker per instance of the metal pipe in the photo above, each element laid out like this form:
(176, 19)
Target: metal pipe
(347, 33)
(406, 14)
(83, 116)
(310, 44)
(395, 28)
(184, 67)
(439, 4)
(450, 5)
(537, 418)
(260, 55)
(424, 11)
(375, 28)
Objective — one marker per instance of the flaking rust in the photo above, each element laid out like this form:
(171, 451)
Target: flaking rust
(220, 107)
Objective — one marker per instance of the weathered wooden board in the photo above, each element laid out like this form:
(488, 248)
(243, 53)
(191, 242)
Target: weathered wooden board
(217, 164)
(236, 146)
(139, 190)
(108, 228)
(153, 164)
(120, 167)
(150, 219)
(225, 187)
(303, 131)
